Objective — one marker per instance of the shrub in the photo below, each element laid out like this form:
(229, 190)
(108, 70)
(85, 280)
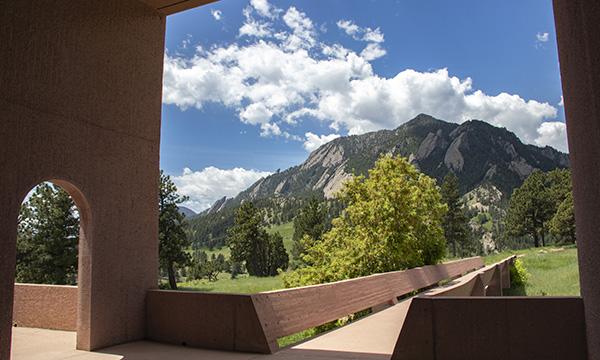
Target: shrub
(518, 273)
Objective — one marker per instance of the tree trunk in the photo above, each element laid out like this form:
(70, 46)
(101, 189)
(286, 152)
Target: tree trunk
(172, 279)
(536, 240)
(543, 237)
(454, 247)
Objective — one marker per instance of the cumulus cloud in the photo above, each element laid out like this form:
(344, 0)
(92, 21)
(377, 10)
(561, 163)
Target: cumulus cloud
(554, 134)
(372, 51)
(542, 37)
(216, 14)
(561, 103)
(279, 79)
(361, 33)
(314, 141)
(206, 186)
(263, 8)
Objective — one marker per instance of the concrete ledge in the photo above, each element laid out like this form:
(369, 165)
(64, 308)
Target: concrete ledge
(493, 328)
(253, 323)
(45, 306)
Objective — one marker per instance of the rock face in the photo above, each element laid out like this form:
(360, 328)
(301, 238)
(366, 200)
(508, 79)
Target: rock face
(477, 152)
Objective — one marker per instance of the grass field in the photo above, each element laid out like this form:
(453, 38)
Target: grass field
(243, 284)
(552, 271)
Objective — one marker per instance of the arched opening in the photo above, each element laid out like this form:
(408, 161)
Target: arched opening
(50, 253)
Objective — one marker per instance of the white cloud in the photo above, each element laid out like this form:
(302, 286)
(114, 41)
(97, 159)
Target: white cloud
(210, 184)
(217, 14)
(303, 31)
(553, 134)
(360, 33)
(561, 103)
(263, 8)
(280, 80)
(349, 27)
(542, 37)
(314, 141)
(372, 51)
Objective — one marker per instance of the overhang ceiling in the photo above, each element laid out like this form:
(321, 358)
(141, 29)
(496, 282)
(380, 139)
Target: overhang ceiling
(168, 7)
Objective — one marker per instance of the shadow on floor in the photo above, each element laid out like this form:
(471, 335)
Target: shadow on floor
(146, 350)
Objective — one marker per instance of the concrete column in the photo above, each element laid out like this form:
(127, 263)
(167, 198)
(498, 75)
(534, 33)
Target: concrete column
(80, 102)
(578, 32)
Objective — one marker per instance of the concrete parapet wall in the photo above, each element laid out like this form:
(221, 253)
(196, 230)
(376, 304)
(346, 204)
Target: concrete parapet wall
(254, 322)
(45, 306)
(493, 328)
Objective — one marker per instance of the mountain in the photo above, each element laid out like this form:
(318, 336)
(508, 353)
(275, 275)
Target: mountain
(189, 213)
(478, 153)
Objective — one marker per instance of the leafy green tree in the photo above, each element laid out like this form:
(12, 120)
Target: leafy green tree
(48, 236)
(456, 223)
(534, 204)
(310, 222)
(562, 224)
(173, 241)
(393, 221)
(251, 244)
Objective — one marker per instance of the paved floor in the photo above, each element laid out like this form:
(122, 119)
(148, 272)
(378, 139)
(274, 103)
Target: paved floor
(371, 338)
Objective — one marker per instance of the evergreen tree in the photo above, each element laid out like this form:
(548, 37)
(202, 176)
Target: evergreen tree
(47, 239)
(562, 224)
(535, 203)
(173, 241)
(251, 244)
(392, 222)
(310, 222)
(455, 223)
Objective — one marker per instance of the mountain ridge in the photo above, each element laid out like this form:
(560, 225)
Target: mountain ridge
(476, 151)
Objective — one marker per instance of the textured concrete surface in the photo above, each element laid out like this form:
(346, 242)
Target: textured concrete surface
(493, 328)
(45, 306)
(255, 322)
(578, 32)
(80, 103)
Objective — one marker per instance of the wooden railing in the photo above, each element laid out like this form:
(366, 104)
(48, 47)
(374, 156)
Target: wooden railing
(255, 322)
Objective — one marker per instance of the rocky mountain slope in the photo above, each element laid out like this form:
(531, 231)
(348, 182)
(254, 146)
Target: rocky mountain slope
(477, 152)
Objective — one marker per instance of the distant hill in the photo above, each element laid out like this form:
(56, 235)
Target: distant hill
(478, 153)
(189, 213)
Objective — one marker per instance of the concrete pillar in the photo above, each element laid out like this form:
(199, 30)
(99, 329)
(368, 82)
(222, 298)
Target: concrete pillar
(578, 32)
(80, 102)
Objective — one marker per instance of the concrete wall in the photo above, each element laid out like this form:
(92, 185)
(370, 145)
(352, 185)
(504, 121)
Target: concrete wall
(254, 322)
(80, 103)
(45, 306)
(493, 328)
(578, 32)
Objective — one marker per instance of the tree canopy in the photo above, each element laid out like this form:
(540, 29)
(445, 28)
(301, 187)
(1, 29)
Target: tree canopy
(310, 223)
(455, 222)
(173, 241)
(250, 243)
(48, 237)
(392, 222)
(536, 202)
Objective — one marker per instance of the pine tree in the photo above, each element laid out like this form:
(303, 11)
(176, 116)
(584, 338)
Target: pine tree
(310, 222)
(455, 223)
(173, 241)
(251, 244)
(48, 236)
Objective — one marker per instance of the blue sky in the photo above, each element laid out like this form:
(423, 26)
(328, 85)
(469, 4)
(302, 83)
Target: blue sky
(252, 86)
